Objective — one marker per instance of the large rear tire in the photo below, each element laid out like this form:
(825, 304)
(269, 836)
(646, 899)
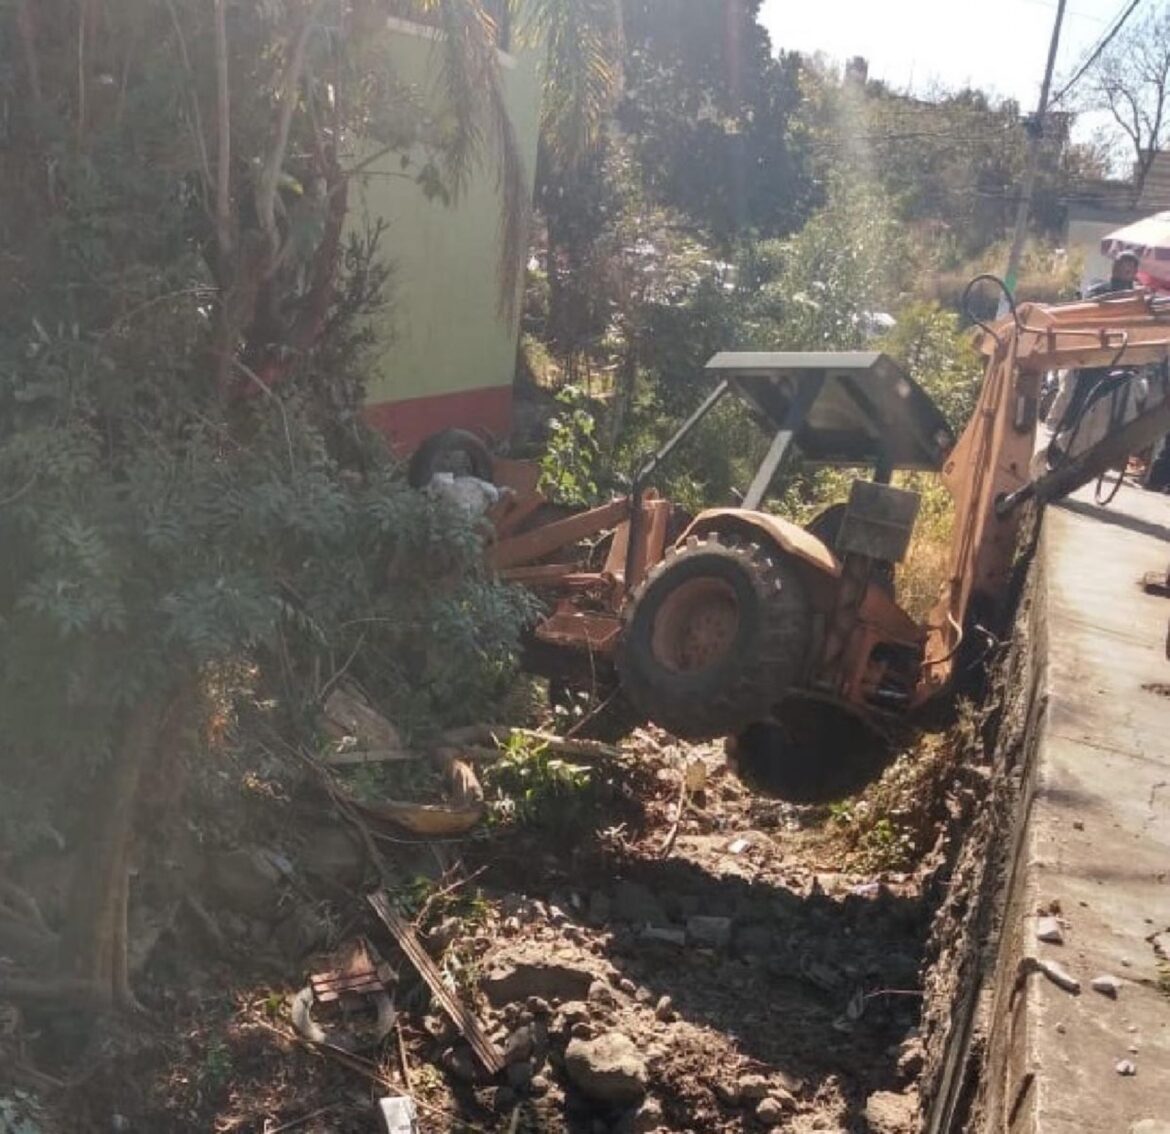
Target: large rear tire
(453, 450)
(714, 637)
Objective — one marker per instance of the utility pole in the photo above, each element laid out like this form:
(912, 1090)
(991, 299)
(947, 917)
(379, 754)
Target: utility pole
(1035, 137)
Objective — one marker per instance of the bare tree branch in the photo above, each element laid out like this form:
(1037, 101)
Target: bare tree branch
(270, 176)
(82, 68)
(196, 117)
(1132, 80)
(223, 189)
(28, 40)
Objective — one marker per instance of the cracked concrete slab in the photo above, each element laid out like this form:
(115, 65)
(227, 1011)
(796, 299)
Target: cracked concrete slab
(1095, 849)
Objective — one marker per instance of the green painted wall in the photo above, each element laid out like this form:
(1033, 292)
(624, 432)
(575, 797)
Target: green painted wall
(445, 331)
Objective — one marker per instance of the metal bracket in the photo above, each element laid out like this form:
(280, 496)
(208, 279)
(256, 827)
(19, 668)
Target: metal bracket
(798, 409)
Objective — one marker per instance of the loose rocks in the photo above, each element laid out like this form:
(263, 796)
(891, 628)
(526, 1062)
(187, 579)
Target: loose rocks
(608, 1069)
(1106, 984)
(549, 980)
(890, 1113)
(770, 1112)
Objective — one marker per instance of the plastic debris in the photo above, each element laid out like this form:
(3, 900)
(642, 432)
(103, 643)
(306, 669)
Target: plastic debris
(398, 1115)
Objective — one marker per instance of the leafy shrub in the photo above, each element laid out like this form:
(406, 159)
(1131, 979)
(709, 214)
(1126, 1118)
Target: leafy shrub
(534, 788)
(568, 468)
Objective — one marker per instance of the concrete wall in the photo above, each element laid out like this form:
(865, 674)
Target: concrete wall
(449, 358)
(1075, 823)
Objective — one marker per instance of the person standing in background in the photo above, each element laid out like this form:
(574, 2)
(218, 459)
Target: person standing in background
(1122, 278)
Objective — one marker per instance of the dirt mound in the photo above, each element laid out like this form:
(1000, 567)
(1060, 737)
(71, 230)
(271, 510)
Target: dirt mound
(692, 957)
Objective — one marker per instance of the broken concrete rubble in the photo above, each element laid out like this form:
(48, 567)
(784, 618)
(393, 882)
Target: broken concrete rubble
(573, 1012)
(771, 1112)
(911, 1056)
(519, 1046)
(752, 1088)
(549, 980)
(890, 1113)
(1106, 984)
(350, 719)
(520, 1076)
(608, 1069)
(646, 1119)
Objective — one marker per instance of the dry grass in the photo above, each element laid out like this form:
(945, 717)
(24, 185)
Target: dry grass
(922, 575)
(893, 823)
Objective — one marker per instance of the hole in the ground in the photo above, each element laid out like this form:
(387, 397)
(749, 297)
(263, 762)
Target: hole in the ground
(817, 755)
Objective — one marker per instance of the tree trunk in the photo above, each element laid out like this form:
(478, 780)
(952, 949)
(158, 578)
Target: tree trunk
(95, 931)
(623, 396)
(28, 38)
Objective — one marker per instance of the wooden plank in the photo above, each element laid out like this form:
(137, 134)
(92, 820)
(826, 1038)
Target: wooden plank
(470, 737)
(346, 756)
(463, 1018)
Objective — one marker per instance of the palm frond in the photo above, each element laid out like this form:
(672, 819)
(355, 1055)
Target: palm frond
(481, 128)
(582, 73)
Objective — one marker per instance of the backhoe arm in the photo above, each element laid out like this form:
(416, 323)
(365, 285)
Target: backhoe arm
(987, 472)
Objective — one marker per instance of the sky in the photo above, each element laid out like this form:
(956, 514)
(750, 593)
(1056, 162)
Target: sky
(1000, 46)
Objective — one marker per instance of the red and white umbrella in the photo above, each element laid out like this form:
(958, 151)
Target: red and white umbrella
(1149, 240)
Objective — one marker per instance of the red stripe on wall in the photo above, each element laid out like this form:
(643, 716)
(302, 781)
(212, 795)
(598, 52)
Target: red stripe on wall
(406, 424)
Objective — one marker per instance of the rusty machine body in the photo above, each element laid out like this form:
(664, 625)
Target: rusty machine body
(741, 613)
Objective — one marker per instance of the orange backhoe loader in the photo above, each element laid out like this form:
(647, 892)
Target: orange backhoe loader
(708, 625)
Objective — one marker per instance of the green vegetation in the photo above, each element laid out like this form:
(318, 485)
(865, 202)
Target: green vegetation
(569, 462)
(187, 489)
(789, 207)
(531, 786)
(891, 824)
(191, 508)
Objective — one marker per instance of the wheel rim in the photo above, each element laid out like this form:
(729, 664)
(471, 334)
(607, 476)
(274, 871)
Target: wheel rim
(696, 626)
(456, 461)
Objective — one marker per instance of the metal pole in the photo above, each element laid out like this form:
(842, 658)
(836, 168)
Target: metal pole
(1029, 186)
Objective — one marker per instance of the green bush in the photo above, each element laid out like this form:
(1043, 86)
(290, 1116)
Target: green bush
(532, 787)
(568, 467)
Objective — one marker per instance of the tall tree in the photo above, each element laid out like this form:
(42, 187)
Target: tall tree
(179, 305)
(712, 113)
(706, 148)
(951, 162)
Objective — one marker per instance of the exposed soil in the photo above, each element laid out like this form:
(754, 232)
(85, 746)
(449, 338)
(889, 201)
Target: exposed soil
(791, 1002)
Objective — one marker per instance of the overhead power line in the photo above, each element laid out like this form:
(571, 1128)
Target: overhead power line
(1030, 171)
(1095, 54)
